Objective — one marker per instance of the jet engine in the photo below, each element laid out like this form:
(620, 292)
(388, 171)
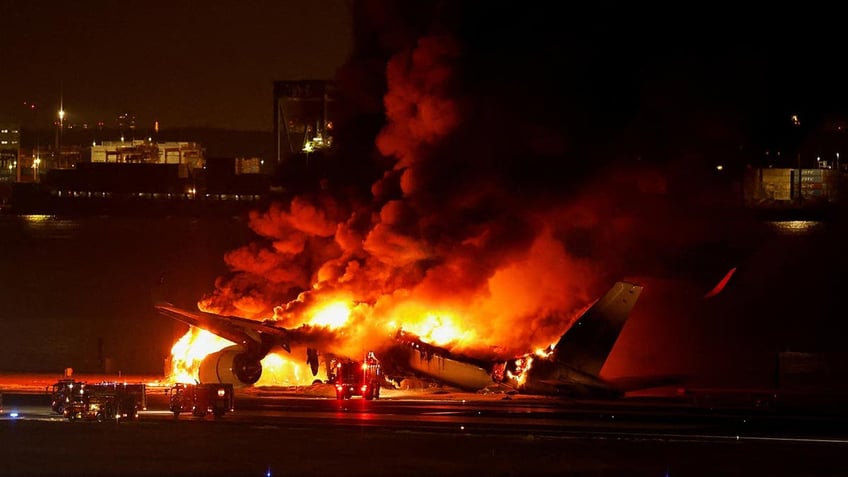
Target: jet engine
(231, 365)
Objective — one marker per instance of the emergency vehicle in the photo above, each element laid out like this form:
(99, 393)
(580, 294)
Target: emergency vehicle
(357, 378)
(100, 402)
(61, 394)
(200, 399)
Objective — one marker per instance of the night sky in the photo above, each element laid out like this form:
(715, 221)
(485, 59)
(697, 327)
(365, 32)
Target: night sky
(183, 63)
(633, 76)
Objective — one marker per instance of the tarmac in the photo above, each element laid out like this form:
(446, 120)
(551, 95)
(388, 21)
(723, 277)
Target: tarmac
(53, 446)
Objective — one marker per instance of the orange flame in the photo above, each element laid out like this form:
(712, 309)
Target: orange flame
(280, 370)
(525, 363)
(333, 316)
(437, 329)
(188, 352)
(522, 366)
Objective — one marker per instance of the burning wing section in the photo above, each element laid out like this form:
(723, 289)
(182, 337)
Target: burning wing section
(239, 364)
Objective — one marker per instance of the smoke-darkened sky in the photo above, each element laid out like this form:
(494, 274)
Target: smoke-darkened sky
(183, 63)
(212, 63)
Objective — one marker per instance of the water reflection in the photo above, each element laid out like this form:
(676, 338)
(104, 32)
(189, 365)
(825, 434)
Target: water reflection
(796, 227)
(49, 226)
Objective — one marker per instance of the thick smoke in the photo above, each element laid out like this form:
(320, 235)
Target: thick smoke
(498, 205)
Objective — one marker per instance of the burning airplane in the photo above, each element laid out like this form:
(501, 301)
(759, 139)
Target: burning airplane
(570, 367)
(483, 233)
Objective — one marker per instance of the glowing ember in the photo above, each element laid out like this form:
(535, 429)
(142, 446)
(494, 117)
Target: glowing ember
(522, 365)
(189, 351)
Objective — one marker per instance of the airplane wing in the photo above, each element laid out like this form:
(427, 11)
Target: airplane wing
(238, 330)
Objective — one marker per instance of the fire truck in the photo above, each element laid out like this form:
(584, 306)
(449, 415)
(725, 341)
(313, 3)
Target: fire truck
(100, 402)
(62, 393)
(357, 378)
(200, 399)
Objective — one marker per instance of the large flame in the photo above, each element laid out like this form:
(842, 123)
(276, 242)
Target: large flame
(188, 352)
(277, 369)
(333, 316)
(486, 230)
(440, 329)
(471, 267)
(280, 369)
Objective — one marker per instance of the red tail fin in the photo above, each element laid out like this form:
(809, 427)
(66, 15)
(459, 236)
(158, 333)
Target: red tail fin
(718, 288)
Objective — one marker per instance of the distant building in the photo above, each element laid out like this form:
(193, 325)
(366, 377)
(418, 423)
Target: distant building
(10, 145)
(303, 117)
(785, 188)
(126, 124)
(148, 152)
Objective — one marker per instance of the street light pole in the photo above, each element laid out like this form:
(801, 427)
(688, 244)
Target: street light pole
(797, 123)
(61, 130)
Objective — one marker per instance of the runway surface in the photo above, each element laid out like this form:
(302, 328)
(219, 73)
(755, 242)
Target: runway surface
(304, 432)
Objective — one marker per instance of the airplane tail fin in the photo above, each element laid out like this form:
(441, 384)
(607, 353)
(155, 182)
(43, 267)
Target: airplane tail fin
(721, 284)
(589, 341)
